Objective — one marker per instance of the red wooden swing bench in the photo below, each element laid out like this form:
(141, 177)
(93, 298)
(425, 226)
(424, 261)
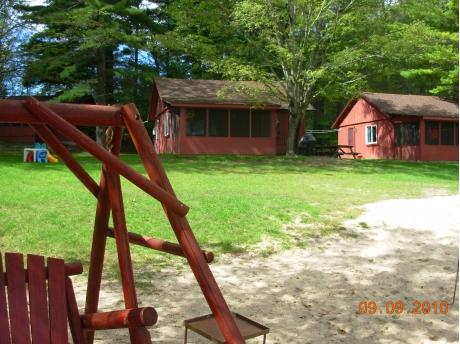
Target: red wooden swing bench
(41, 301)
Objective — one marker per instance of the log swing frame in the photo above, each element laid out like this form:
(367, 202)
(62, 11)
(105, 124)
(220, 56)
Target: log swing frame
(64, 118)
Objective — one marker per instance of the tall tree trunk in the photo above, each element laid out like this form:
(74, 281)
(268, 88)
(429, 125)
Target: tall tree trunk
(293, 133)
(136, 74)
(100, 91)
(109, 76)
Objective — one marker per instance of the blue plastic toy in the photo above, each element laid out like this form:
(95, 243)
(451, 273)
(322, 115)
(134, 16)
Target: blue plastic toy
(41, 156)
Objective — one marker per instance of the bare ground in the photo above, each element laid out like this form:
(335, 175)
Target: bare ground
(398, 250)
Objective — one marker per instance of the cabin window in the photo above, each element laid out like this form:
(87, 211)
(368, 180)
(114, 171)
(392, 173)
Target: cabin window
(226, 123)
(260, 123)
(407, 134)
(239, 123)
(432, 132)
(196, 122)
(447, 133)
(166, 125)
(218, 122)
(371, 134)
(441, 132)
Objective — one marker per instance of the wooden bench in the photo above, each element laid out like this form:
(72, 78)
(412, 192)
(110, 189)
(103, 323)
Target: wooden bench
(41, 315)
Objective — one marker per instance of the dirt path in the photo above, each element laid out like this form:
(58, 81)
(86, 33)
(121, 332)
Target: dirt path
(408, 254)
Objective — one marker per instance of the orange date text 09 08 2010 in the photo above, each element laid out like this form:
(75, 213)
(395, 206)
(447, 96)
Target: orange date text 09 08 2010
(398, 308)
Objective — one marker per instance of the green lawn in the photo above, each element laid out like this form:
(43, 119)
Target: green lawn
(235, 202)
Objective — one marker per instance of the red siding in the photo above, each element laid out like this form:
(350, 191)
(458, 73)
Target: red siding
(227, 146)
(194, 145)
(384, 149)
(363, 114)
(16, 133)
(437, 152)
(360, 116)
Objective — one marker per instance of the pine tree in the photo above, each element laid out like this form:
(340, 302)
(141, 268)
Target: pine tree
(11, 37)
(85, 47)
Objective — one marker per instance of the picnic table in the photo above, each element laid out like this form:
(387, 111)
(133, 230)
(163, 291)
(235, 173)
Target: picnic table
(336, 151)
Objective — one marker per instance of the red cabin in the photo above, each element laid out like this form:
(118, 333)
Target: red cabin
(193, 117)
(406, 127)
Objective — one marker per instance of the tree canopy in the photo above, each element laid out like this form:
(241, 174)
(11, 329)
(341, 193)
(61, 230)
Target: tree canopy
(10, 40)
(300, 49)
(304, 51)
(420, 43)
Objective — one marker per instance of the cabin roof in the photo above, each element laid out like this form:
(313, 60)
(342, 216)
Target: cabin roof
(412, 105)
(405, 105)
(212, 92)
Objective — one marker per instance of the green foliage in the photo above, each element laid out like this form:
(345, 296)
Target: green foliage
(89, 47)
(10, 39)
(301, 50)
(420, 42)
(185, 52)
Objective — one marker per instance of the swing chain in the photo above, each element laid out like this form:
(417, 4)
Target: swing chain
(109, 138)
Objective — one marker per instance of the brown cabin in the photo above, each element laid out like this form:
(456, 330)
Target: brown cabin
(192, 117)
(21, 132)
(405, 127)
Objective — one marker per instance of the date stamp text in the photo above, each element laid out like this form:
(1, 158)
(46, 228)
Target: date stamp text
(398, 308)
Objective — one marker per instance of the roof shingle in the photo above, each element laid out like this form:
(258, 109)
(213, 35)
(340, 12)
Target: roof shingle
(412, 105)
(186, 91)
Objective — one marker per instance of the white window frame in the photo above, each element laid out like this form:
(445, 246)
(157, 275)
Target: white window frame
(369, 138)
(166, 125)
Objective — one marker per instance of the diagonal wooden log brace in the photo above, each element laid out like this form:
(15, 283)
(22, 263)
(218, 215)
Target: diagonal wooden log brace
(51, 118)
(58, 148)
(182, 229)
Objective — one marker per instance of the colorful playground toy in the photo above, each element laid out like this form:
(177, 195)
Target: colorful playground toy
(51, 158)
(39, 153)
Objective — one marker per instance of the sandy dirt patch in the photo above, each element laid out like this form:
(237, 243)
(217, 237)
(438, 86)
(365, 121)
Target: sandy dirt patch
(398, 250)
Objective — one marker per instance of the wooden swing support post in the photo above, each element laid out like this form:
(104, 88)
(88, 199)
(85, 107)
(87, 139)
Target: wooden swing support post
(64, 118)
